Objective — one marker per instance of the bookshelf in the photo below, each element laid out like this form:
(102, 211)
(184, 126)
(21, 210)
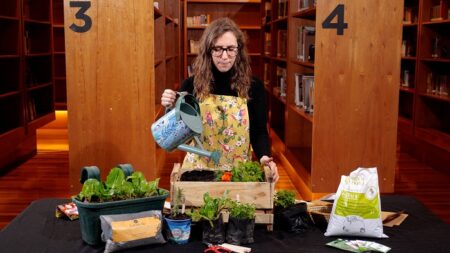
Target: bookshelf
(274, 60)
(346, 116)
(118, 70)
(198, 13)
(59, 56)
(424, 108)
(26, 87)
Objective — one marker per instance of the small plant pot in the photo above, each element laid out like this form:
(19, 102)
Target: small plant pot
(213, 234)
(178, 231)
(240, 231)
(293, 219)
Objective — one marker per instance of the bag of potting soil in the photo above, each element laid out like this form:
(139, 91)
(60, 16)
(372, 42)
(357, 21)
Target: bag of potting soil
(357, 208)
(122, 231)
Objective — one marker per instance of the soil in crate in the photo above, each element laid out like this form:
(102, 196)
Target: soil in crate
(198, 175)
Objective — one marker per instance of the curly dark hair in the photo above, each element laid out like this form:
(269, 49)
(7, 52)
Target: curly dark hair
(203, 64)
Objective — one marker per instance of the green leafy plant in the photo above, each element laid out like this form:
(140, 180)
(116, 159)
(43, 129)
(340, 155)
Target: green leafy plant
(118, 187)
(284, 199)
(211, 208)
(242, 211)
(247, 172)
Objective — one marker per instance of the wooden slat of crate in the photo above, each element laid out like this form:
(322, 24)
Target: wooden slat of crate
(258, 193)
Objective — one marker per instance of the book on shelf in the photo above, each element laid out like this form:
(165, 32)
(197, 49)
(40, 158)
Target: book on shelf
(281, 43)
(194, 46)
(436, 12)
(267, 43)
(267, 12)
(438, 83)
(27, 42)
(281, 81)
(306, 37)
(305, 4)
(266, 73)
(408, 15)
(308, 93)
(282, 8)
(283, 86)
(298, 91)
(406, 78)
(407, 49)
(200, 20)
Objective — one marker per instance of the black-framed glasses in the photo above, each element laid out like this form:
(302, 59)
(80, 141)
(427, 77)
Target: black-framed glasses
(231, 51)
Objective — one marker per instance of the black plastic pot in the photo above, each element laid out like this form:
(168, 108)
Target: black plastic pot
(213, 234)
(240, 231)
(293, 219)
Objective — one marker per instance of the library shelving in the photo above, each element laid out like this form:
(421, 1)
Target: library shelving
(274, 60)
(26, 86)
(59, 56)
(424, 106)
(329, 107)
(116, 70)
(168, 69)
(198, 13)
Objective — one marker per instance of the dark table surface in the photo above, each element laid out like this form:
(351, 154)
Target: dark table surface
(37, 230)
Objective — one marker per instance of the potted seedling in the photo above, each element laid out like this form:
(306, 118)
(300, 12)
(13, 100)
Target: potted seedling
(211, 217)
(124, 191)
(289, 215)
(241, 223)
(178, 222)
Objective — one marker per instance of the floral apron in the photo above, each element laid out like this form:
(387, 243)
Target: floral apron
(225, 129)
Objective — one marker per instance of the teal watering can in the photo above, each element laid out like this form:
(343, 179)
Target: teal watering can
(180, 125)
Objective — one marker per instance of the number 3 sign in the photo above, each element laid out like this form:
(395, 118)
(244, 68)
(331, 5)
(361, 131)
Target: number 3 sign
(81, 14)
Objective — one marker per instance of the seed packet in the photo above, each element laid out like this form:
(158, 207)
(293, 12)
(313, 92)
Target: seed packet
(358, 246)
(68, 210)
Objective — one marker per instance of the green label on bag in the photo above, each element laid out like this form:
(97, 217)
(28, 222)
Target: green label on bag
(352, 203)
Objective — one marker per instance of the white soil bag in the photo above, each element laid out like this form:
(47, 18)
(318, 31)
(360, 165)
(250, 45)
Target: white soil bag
(357, 208)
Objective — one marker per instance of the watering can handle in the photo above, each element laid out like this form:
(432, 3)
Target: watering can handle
(180, 95)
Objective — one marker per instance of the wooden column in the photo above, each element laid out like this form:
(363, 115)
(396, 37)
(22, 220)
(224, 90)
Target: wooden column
(357, 85)
(110, 79)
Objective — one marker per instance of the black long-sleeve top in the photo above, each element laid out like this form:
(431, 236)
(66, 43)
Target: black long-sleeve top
(259, 138)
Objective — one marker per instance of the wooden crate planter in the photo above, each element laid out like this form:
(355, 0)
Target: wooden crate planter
(258, 193)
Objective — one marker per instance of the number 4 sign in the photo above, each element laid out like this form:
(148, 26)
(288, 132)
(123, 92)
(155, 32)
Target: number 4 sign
(340, 25)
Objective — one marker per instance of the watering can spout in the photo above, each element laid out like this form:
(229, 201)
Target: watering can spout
(214, 155)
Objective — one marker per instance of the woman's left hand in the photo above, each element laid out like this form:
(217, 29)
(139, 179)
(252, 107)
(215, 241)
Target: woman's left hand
(268, 161)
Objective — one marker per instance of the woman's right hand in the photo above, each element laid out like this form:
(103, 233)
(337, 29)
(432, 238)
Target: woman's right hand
(168, 98)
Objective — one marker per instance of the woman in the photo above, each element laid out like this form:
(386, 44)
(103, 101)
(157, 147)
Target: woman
(232, 103)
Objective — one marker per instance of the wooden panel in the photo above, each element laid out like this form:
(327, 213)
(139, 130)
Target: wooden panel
(110, 76)
(357, 86)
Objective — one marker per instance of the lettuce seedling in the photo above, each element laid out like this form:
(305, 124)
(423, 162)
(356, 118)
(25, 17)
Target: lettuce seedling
(118, 187)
